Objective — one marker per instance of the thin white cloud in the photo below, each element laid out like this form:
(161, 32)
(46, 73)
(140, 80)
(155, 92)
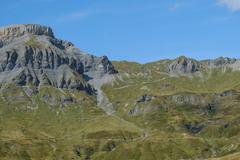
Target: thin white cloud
(233, 5)
(174, 6)
(80, 15)
(76, 16)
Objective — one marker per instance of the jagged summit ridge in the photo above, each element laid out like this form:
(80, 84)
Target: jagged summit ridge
(21, 29)
(30, 54)
(221, 61)
(185, 66)
(14, 32)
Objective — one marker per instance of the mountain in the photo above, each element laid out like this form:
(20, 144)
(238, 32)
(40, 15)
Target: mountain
(58, 102)
(31, 54)
(49, 96)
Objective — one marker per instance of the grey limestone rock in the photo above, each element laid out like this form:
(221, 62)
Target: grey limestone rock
(187, 98)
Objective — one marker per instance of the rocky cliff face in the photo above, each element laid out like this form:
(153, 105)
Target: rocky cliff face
(30, 54)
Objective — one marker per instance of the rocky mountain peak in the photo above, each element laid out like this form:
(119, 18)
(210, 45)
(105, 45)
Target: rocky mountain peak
(182, 65)
(14, 32)
(30, 54)
(222, 61)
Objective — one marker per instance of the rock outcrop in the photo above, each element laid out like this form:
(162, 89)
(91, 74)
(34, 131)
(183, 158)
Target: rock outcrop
(183, 65)
(187, 98)
(194, 128)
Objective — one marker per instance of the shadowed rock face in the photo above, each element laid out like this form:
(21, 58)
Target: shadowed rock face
(194, 128)
(30, 54)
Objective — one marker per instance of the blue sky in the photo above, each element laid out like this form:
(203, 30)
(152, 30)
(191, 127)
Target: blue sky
(136, 30)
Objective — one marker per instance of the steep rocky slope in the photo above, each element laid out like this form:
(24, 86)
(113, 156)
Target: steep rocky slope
(30, 54)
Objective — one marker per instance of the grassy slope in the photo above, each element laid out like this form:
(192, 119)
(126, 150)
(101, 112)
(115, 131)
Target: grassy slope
(214, 140)
(76, 131)
(32, 129)
(234, 156)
